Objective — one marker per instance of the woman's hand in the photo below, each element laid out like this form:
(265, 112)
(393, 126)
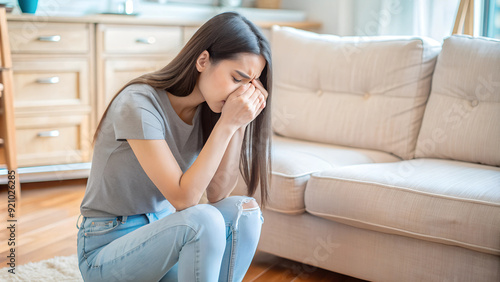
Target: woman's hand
(244, 104)
(260, 87)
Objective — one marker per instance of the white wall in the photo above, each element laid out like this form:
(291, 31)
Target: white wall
(432, 18)
(336, 15)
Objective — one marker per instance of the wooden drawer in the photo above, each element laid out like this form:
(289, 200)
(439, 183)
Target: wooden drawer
(54, 83)
(118, 39)
(49, 38)
(57, 139)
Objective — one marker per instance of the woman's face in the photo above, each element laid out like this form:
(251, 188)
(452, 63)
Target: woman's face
(217, 81)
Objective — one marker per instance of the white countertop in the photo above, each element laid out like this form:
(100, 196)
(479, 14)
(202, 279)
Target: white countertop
(165, 12)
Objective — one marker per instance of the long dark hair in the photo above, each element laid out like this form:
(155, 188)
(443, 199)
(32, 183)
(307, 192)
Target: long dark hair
(225, 36)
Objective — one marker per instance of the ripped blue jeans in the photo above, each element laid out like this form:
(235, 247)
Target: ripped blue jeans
(206, 242)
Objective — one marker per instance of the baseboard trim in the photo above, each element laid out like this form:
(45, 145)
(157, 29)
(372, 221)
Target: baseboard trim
(48, 173)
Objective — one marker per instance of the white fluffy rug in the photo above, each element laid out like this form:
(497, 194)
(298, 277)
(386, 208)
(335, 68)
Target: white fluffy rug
(54, 269)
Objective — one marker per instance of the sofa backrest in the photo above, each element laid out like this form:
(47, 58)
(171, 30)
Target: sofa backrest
(364, 92)
(462, 116)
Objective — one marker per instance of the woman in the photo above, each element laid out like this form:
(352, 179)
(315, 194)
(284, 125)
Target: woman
(165, 139)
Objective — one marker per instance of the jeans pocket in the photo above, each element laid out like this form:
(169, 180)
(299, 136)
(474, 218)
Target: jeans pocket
(95, 234)
(103, 226)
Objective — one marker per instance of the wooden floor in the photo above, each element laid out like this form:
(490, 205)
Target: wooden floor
(46, 228)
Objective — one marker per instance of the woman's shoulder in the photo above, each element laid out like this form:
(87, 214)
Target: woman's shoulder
(138, 92)
(136, 98)
(139, 88)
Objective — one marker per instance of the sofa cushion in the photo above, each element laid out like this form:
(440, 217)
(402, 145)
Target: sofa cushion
(444, 201)
(462, 117)
(365, 92)
(293, 161)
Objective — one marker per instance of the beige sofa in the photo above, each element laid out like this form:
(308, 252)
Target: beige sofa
(386, 156)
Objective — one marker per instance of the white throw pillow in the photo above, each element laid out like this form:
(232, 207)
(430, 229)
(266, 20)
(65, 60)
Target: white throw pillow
(462, 117)
(364, 92)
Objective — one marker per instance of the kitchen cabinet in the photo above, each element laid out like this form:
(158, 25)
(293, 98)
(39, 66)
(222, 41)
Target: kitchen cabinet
(48, 84)
(53, 91)
(50, 38)
(52, 139)
(125, 52)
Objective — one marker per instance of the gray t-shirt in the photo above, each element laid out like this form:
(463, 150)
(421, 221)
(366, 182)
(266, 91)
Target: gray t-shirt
(117, 184)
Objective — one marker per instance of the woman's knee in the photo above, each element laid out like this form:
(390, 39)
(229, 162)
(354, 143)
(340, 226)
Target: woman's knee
(208, 224)
(207, 214)
(208, 217)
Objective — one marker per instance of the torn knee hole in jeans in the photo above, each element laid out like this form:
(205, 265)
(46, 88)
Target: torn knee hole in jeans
(249, 204)
(245, 211)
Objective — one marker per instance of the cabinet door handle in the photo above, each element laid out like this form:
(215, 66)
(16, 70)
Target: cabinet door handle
(52, 38)
(149, 40)
(48, 80)
(51, 133)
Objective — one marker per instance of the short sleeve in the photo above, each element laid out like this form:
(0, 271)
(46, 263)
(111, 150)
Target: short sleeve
(137, 116)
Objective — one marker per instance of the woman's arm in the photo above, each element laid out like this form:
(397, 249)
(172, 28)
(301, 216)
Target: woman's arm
(226, 176)
(182, 190)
